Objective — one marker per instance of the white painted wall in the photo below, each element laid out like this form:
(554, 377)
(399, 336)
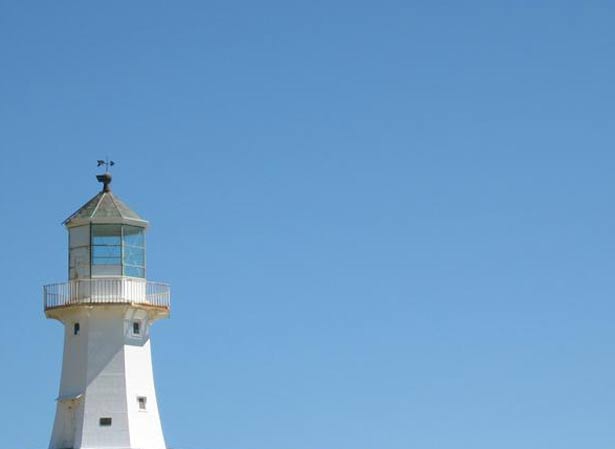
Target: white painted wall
(105, 369)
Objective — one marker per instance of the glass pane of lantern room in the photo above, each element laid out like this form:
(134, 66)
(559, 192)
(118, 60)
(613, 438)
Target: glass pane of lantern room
(106, 234)
(137, 272)
(110, 253)
(134, 236)
(134, 251)
(134, 256)
(106, 250)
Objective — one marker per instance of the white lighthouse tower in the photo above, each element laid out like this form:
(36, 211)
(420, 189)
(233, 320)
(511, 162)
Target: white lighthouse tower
(107, 397)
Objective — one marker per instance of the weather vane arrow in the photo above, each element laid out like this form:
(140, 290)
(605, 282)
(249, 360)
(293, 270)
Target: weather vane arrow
(107, 163)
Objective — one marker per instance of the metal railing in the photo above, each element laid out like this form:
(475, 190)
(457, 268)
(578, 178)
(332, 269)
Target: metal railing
(107, 291)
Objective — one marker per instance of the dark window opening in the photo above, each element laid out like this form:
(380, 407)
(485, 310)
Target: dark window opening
(136, 328)
(76, 329)
(105, 421)
(142, 402)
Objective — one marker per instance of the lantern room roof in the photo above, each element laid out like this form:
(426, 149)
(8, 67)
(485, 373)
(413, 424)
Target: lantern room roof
(105, 207)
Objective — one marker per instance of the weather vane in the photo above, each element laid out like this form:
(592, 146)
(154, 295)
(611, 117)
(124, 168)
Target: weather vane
(105, 178)
(107, 163)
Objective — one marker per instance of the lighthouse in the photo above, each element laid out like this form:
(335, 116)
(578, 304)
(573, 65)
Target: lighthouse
(107, 397)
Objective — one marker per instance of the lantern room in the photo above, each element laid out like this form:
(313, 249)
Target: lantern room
(105, 238)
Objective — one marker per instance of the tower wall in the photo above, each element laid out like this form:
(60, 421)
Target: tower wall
(145, 428)
(106, 372)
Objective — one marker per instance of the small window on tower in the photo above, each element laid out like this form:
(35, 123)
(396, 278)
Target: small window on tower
(105, 422)
(136, 328)
(142, 400)
(76, 329)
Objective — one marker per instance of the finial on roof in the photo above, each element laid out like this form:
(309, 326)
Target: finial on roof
(105, 178)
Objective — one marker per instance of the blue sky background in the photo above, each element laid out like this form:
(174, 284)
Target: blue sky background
(387, 225)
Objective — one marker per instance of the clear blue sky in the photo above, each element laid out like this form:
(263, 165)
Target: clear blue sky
(388, 225)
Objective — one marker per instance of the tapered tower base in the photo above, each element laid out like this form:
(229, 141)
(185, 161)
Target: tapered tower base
(107, 396)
